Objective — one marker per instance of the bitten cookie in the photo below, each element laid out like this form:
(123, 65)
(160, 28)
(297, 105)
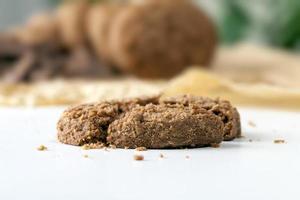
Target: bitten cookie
(156, 40)
(184, 121)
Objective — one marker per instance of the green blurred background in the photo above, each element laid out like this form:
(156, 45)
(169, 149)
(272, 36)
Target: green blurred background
(271, 22)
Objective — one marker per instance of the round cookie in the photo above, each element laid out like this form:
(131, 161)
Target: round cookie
(159, 40)
(99, 20)
(185, 121)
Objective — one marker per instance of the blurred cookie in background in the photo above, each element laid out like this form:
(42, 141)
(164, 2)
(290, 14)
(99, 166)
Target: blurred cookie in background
(71, 19)
(159, 39)
(99, 20)
(40, 28)
(151, 39)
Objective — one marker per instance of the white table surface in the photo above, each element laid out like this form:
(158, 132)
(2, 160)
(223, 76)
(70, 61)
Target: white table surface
(237, 170)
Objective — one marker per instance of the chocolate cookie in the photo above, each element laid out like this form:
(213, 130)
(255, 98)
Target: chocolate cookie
(156, 40)
(184, 121)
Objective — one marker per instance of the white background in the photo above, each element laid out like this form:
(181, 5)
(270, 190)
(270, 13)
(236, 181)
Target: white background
(237, 170)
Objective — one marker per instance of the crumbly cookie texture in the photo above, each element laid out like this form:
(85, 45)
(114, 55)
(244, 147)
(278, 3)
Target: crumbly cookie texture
(222, 108)
(183, 121)
(88, 123)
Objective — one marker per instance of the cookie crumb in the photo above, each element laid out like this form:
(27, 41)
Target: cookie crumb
(141, 149)
(279, 141)
(187, 157)
(85, 156)
(42, 148)
(215, 145)
(161, 155)
(138, 157)
(97, 145)
(251, 123)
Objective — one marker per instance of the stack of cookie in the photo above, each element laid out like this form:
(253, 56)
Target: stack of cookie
(152, 39)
